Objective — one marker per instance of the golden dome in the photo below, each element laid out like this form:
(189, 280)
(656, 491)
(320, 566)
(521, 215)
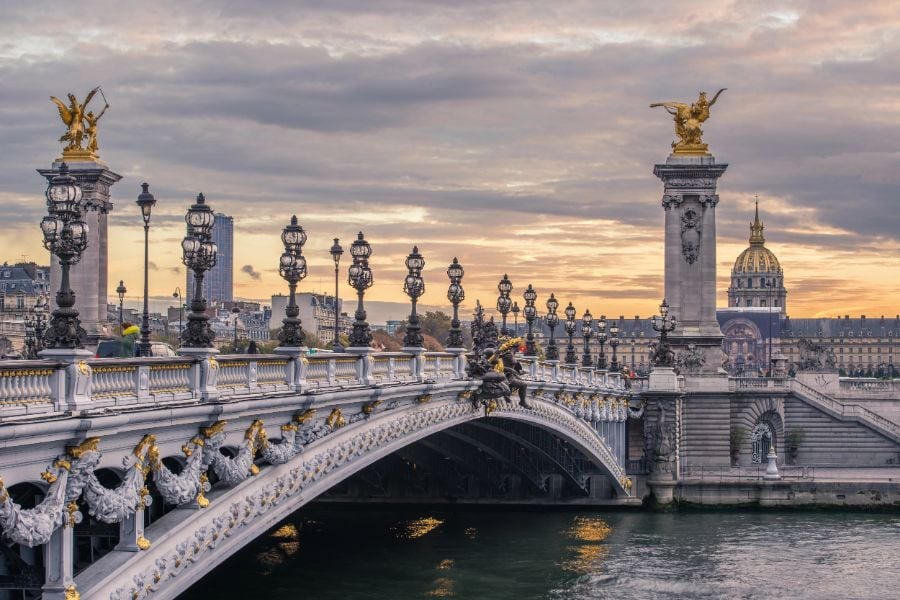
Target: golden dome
(757, 258)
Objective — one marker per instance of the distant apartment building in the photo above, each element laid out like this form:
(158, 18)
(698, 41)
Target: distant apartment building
(218, 282)
(23, 286)
(317, 314)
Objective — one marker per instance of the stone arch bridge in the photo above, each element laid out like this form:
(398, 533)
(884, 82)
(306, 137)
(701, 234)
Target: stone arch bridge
(138, 476)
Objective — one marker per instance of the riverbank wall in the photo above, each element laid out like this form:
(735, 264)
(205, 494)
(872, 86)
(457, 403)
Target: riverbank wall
(824, 493)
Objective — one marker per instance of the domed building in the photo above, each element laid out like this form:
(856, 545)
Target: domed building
(757, 279)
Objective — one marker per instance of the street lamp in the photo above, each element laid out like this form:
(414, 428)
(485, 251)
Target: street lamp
(504, 303)
(121, 291)
(414, 287)
(65, 235)
(177, 294)
(602, 336)
(530, 314)
(292, 268)
(663, 355)
(552, 322)
(614, 343)
(455, 294)
(586, 321)
(146, 201)
(360, 278)
(336, 252)
(199, 254)
(29, 339)
(571, 358)
(515, 311)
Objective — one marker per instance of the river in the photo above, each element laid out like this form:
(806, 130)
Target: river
(364, 552)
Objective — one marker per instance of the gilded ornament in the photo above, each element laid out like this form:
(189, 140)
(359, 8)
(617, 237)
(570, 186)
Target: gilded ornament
(81, 126)
(336, 420)
(84, 368)
(305, 416)
(203, 501)
(143, 543)
(688, 119)
(213, 363)
(214, 429)
(71, 511)
(89, 445)
(369, 407)
(72, 593)
(423, 399)
(464, 395)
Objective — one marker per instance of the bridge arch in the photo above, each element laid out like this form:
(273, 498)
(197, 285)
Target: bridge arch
(187, 543)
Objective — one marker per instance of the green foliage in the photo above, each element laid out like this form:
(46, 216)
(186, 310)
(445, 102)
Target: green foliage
(794, 437)
(737, 438)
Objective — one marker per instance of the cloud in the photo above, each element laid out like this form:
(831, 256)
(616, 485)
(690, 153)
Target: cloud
(249, 270)
(524, 148)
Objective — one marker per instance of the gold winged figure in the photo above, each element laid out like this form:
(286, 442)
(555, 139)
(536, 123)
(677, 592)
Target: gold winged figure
(79, 124)
(688, 119)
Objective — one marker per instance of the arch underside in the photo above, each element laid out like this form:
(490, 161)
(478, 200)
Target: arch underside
(187, 543)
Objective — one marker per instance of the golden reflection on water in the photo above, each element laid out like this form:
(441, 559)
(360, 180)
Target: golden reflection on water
(446, 564)
(471, 533)
(443, 587)
(416, 528)
(287, 544)
(592, 531)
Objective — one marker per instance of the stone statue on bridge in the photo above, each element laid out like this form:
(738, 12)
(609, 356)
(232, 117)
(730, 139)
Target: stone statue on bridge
(504, 361)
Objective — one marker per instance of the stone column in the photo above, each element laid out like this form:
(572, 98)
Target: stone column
(689, 201)
(662, 435)
(89, 276)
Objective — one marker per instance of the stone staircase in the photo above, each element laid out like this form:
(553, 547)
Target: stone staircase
(846, 411)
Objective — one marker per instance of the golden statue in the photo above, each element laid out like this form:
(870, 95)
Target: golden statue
(688, 118)
(74, 117)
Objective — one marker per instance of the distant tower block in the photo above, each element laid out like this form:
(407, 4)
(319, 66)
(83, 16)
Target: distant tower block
(89, 276)
(689, 201)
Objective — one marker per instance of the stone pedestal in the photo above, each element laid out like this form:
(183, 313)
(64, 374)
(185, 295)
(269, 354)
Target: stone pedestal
(418, 361)
(772, 468)
(664, 379)
(89, 276)
(296, 374)
(71, 384)
(205, 374)
(365, 366)
(459, 361)
(689, 201)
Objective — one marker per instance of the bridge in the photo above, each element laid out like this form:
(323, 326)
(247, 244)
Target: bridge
(138, 476)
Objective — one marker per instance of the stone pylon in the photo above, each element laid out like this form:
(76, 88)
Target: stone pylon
(89, 276)
(689, 201)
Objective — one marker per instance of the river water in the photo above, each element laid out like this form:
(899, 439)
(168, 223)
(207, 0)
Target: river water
(366, 553)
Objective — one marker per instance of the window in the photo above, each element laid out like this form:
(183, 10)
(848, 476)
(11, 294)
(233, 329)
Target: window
(749, 282)
(20, 302)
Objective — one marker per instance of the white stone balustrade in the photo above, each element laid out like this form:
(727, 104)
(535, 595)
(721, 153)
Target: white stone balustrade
(26, 387)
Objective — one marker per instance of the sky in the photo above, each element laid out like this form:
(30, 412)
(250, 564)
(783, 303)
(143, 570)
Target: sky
(514, 135)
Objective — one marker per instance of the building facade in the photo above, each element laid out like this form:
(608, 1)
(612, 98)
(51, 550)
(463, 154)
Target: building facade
(218, 282)
(317, 315)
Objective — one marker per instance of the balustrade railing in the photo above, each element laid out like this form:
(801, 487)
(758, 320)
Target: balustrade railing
(46, 386)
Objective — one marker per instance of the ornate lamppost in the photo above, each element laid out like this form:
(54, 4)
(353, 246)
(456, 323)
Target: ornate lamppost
(571, 357)
(65, 235)
(587, 331)
(414, 287)
(614, 343)
(336, 252)
(292, 268)
(235, 311)
(455, 294)
(121, 291)
(146, 201)
(504, 303)
(515, 311)
(530, 314)
(199, 254)
(177, 294)
(552, 322)
(360, 278)
(602, 336)
(664, 324)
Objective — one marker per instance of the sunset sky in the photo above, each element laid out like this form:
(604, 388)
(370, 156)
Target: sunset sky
(514, 135)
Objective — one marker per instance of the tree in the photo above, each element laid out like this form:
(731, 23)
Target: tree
(381, 339)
